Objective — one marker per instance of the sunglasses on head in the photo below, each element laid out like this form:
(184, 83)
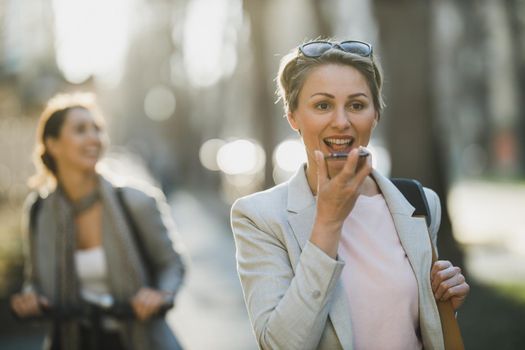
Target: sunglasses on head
(318, 48)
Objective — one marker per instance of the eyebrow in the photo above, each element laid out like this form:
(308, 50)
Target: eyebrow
(332, 96)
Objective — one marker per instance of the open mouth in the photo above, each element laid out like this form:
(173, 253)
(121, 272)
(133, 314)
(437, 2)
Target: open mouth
(92, 152)
(339, 144)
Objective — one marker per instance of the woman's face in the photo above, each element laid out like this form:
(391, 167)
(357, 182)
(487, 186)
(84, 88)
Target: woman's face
(335, 113)
(80, 142)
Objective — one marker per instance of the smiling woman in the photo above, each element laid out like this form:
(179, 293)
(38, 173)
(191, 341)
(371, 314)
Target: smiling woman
(93, 244)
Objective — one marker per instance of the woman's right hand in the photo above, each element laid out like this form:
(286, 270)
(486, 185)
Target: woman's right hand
(336, 198)
(28, 304)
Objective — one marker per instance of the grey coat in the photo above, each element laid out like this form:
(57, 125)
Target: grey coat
(292, 290)
(158, 235)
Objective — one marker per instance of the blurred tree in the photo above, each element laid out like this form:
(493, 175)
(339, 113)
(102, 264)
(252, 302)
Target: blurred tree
(414, 142)
(516, 13)
(256, 11)
(324, 22)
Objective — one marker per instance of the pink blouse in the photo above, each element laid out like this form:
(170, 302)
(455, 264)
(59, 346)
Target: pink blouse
(378, 280)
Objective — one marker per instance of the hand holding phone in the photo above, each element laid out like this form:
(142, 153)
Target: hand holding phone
(363, 153)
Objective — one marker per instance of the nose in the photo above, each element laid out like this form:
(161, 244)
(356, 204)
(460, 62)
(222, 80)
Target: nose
(341, 120)
(94, 135)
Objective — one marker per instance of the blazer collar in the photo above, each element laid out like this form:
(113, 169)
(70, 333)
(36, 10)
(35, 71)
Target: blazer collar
(301, 206)
(299, 193)
(396, 201)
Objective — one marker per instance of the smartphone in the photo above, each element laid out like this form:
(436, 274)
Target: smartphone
(362, 152)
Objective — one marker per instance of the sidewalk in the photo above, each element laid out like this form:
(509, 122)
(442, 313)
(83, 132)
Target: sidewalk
(210, 311)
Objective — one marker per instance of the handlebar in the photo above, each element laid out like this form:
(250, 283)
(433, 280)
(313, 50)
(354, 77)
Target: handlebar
(117, 310)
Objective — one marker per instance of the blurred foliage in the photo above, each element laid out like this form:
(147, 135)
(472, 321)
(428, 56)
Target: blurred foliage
(514, 291)
(490, 319)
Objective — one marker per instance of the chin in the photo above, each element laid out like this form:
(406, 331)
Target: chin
(88, 166)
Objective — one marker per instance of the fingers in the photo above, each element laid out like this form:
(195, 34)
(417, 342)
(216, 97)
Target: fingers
(458, 294)
(26, 304)
(448, 283)
(441, 271)
(349, 168)
(322, 171)
(443, 290)
(438, 266)
(146, 303)
(356, 168)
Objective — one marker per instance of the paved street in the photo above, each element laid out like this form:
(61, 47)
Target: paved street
(210, 312)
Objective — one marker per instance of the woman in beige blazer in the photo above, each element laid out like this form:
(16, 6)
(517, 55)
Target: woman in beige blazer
(308, 282)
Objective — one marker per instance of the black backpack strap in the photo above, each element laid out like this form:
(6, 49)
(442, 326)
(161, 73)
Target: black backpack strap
(135, 234)
(414, 193)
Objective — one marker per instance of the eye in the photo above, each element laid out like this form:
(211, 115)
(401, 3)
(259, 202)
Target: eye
(322, 106)
(356, 106)
(80, 128)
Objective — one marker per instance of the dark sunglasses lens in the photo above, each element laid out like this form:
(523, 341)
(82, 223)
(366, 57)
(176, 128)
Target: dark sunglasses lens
(358, 48)
(315, 49)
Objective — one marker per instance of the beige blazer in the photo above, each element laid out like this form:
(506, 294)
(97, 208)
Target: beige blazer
(292, 289)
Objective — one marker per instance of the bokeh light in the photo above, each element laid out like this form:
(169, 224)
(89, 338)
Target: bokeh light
(287, 157)
(92, 38)
(159, 103)
(208, 153)
(240, 157)
(209, 45)
(381, 160)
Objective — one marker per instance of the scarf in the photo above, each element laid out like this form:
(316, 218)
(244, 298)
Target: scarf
(60, 281)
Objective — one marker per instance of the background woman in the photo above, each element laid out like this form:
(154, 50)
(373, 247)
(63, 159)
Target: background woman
(333, 258)
(82, 248)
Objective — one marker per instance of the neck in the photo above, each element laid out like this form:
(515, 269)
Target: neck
(78, 184)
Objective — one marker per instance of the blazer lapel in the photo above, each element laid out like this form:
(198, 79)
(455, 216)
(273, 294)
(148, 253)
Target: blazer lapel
(412, 231)
(301, 207)
(301, 216)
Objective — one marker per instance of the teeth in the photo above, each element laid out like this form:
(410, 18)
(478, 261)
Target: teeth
(339, 141)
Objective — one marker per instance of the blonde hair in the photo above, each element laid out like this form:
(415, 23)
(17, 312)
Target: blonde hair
(50, 125)
(295, 68)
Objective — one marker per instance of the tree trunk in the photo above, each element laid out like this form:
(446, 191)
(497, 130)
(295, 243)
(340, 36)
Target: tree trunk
(414, 144)
(262, 94)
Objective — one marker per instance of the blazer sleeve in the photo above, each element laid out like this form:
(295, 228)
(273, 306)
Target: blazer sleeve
(159, 236)
(435, 214)
(288, 307)
(29, 284)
